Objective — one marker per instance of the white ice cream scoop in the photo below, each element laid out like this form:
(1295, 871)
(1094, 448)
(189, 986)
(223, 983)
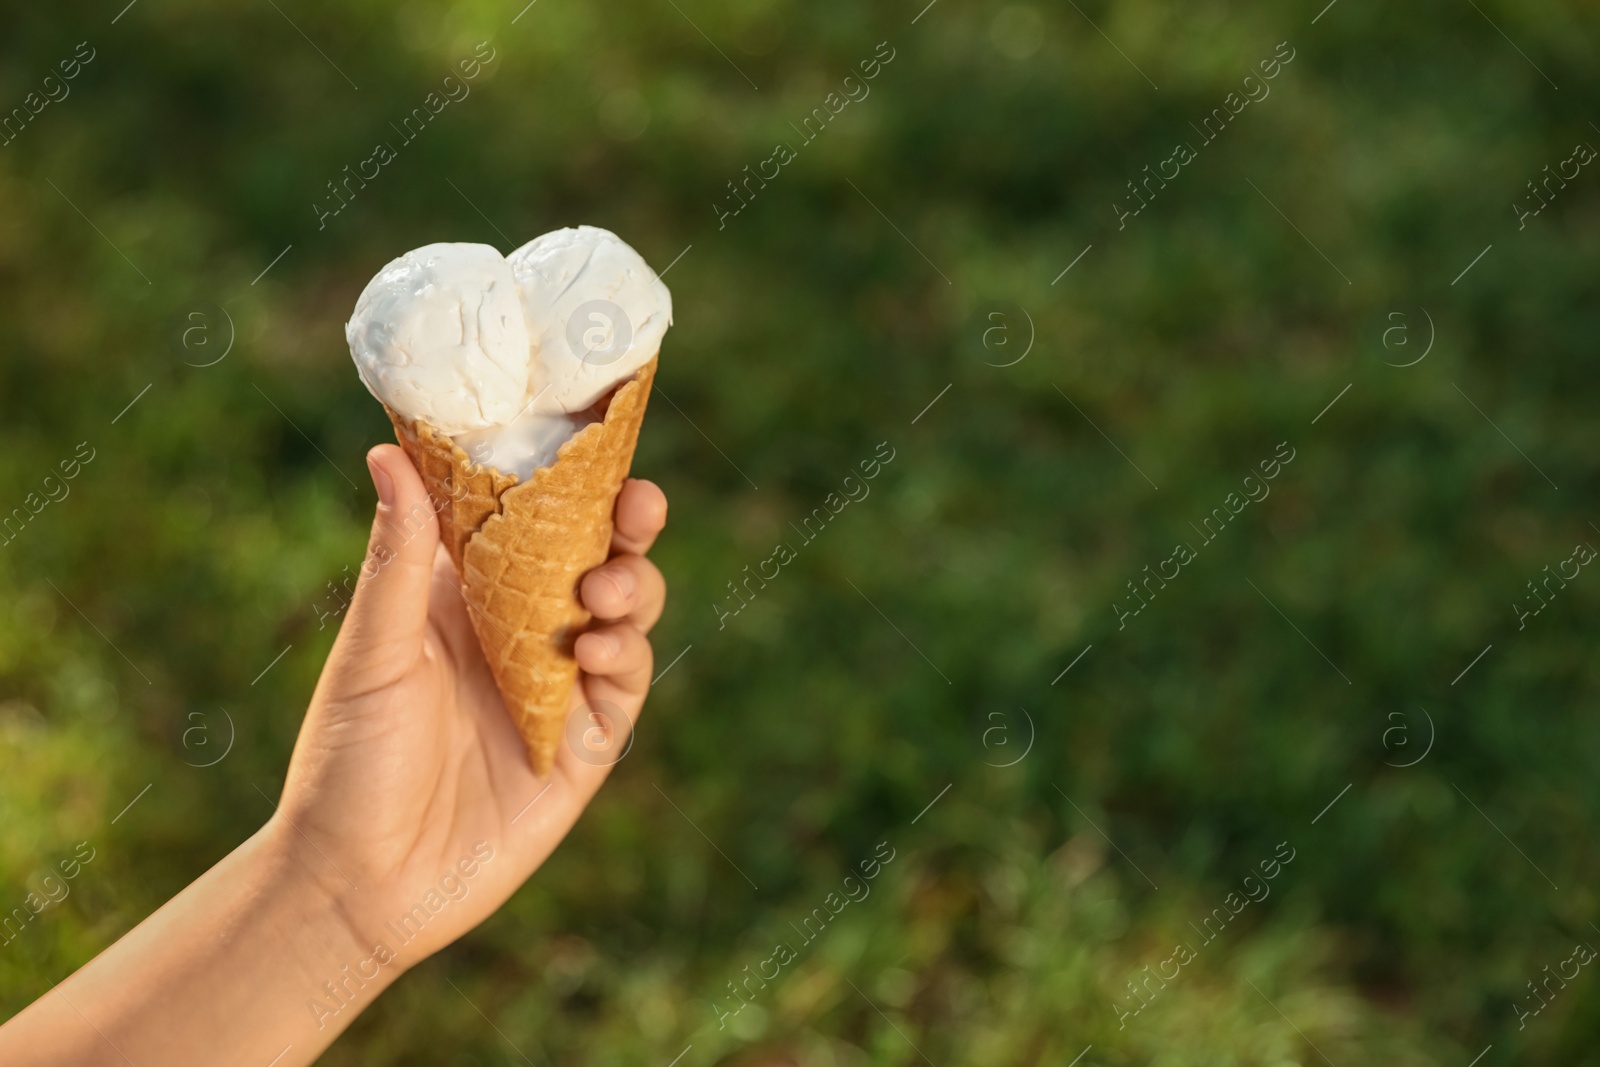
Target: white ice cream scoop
(595, 311)
(506, 356)
(439, 335)
(524, 445)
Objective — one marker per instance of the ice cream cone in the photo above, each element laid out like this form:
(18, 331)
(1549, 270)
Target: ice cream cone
(521, 547)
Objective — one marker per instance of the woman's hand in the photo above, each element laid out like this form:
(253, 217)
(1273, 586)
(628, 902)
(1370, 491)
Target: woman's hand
(410, 799)
(409, 815)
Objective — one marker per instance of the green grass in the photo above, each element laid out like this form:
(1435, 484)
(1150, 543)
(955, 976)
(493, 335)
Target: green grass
(816, 323)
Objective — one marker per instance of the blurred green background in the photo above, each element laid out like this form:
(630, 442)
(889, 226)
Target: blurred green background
(920, 642)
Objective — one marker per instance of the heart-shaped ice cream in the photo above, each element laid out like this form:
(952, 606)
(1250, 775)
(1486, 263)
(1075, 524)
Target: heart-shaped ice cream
(507, 355)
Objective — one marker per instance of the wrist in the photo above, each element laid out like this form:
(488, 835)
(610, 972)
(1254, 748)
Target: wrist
(255, 956)
(339, 965)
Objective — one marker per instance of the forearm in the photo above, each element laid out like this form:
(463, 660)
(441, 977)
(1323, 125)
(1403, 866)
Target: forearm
(230, 971)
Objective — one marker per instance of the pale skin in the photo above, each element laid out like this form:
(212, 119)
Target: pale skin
(406, 773)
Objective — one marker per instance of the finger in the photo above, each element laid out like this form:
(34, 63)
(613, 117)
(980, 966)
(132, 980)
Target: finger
(599, 734)
(382, 636)
(616, 662)
(626, 587)
(620, 655)
(641, 512)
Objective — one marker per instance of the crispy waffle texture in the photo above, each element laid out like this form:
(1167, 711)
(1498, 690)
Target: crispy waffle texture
(521, 547)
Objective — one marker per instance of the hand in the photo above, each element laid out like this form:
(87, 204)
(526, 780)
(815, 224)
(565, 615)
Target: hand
(409, 815)
(408, 773)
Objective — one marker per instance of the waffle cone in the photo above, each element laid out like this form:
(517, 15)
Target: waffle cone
(521, 547)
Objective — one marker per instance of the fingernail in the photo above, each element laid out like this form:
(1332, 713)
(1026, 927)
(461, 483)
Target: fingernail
(611, 643)
(381, 481)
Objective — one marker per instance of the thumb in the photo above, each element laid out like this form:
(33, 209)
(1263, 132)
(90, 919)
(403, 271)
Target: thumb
(382, 636)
